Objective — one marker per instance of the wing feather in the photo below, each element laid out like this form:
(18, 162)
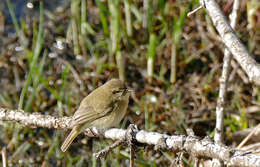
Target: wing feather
(89, 114)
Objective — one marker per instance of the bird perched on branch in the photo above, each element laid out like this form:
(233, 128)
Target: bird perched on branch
(103, 108)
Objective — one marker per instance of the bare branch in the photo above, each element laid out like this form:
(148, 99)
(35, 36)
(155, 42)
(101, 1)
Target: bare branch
(35, 120)
(232, 42)
(223, 82)
(219, 133)
(190, 144)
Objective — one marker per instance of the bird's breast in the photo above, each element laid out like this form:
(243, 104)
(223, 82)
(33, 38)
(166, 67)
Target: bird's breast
(113, 118)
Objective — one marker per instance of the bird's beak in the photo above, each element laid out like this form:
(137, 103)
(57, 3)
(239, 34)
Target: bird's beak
(127, 90)
(130, 90)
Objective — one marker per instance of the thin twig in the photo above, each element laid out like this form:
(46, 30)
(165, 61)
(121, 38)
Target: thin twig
(132, 156)
(130, 136)
(237, 70)
(223, 83)
(4, 157)
(104, 152)
(248, 137)
(219, 133)
(194, 11)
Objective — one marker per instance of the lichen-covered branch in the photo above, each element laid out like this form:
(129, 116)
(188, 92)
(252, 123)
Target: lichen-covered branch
(204, 148)
(35, 120)
(230, 39)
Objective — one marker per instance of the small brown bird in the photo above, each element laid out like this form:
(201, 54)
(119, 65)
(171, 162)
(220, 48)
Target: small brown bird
(103, 108)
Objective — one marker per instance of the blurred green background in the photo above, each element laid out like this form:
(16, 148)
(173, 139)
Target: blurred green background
(53, 54)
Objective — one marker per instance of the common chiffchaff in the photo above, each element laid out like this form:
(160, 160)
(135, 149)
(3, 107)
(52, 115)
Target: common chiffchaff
(103, 108)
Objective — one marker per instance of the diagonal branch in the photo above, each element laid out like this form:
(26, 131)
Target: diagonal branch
(230, 39)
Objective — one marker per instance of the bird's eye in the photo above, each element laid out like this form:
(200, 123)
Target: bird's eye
(116, 91)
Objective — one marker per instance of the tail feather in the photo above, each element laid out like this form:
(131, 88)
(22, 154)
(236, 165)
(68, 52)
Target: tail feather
(73, 134)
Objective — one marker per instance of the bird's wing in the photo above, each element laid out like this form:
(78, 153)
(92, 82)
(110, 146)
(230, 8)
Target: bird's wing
(89, 114)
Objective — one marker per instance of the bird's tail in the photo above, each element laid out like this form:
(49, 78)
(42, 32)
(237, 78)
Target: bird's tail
(73, 134)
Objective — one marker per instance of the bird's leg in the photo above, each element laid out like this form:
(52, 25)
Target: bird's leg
(91, 132)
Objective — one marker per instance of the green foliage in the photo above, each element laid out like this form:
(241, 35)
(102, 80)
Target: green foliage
(34, 72)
